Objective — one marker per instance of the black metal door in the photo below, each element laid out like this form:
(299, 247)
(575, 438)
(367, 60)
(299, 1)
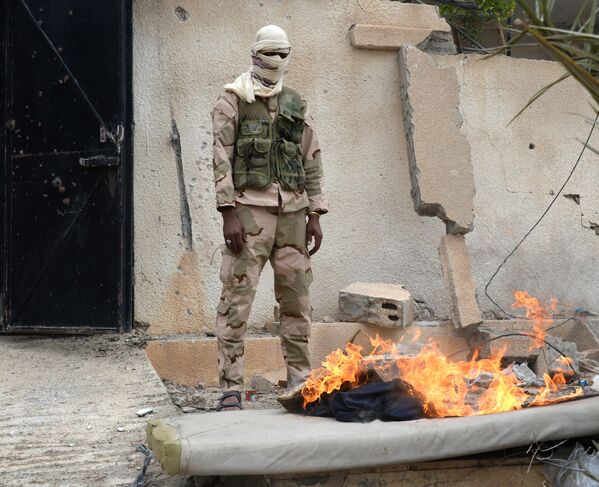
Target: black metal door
(66, 187)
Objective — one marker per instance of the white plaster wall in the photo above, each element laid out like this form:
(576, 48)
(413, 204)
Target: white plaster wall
(516, 183)
(180, 67)
(372, 232)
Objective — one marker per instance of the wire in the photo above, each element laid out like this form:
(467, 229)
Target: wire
(584, 147)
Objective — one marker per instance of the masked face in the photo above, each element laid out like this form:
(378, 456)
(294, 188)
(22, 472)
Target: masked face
(270, 55)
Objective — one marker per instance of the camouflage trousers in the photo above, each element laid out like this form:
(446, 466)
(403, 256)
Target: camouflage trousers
(281, 238)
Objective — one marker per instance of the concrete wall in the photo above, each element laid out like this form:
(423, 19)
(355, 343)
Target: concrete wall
(180, 67)
(518, 169)
(184, 52)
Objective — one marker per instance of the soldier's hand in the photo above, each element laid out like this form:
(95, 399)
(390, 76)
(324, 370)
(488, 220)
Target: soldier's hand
(233, 231)
(313, 230)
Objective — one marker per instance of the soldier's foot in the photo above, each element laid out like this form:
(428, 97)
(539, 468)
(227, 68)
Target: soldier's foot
(230, 401)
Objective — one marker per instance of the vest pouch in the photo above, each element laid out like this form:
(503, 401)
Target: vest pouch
(252, 168)
(291, 126)
(290, 167)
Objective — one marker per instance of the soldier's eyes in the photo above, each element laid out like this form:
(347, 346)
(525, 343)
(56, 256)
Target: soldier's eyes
(282, 54)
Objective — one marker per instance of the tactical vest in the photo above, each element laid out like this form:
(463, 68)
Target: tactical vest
(268, 150)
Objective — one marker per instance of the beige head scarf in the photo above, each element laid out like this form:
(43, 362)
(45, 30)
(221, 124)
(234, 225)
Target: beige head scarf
(265, 76)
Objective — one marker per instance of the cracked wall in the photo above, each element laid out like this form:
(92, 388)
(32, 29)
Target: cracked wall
(518, 169)
(184, 52)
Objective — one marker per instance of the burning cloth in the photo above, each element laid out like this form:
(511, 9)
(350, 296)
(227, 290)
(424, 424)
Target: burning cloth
(392, 400)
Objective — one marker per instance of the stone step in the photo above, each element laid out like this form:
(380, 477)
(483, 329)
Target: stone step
(192, 360)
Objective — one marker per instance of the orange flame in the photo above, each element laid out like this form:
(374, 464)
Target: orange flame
(539, 314)
(448, 388)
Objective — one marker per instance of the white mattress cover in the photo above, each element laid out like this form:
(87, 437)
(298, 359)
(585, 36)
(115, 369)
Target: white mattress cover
(276, 442)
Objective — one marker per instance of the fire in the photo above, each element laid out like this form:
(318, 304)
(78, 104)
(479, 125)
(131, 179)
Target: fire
(540, 315)
(448, 388)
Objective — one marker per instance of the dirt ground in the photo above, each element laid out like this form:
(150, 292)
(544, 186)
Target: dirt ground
(68, 410)
(204, 400)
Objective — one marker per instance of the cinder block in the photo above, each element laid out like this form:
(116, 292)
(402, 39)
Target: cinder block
(499, 336)
(392, 38)
(459, 282)
(378, 303)
(442, 185)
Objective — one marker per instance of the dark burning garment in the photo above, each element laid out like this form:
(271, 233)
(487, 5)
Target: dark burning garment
(388, 401)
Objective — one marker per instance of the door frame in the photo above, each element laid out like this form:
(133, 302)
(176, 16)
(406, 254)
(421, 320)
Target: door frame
(126, 294)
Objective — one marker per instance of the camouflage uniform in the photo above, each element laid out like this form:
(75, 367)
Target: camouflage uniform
(274, 221)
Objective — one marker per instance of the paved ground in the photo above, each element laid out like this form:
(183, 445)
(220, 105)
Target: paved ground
(62, 403)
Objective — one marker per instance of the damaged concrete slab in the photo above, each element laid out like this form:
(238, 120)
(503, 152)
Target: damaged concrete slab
(442, 186)
(455, 262)
(68, 410)
(383, 304)
(392, 38)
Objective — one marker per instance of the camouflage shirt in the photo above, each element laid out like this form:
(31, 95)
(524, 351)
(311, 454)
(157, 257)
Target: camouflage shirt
(224, 125)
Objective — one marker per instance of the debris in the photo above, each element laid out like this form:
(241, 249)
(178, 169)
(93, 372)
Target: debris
(136, 340)
(595, 385)
(262, 384)
(592, 354)
(120, 429)
(185, 396)
(455, 262)
(189, 409)
(578, 469)
(388, 305)
(589, 365)
(551, 361)
(292, 400)
(526, 376)
(144, 411)
(582, 332)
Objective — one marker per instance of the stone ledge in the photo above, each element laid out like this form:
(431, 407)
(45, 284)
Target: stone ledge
(392, 38)
(193, 361)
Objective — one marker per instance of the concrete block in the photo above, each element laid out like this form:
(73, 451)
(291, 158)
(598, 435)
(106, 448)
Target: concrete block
(378, 303)
(514, 348)
(392, 38)
(189, 361)
(583, 334)
(442, 185)
(459, 282)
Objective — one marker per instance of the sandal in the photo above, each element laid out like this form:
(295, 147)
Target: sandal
(232, 404)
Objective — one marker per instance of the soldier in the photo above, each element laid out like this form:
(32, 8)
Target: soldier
(270, 192)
